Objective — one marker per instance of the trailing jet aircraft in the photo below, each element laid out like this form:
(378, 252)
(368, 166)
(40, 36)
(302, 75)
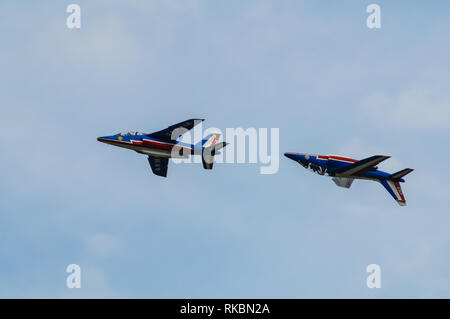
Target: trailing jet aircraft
(344, 170)
(162, 145)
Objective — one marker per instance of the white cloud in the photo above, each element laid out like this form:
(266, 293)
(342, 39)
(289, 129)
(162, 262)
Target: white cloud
(94, 284)
(106, 41)
(103, 245)
(108, 44)
(431, 186)
(259, 10)
(150, 5)
(415, 107)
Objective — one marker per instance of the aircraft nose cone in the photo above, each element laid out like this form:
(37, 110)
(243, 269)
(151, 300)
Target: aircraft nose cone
(103, 138)
(297, 156)
(289, 155)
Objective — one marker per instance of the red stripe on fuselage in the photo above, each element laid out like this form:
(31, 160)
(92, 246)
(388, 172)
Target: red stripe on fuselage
(326, 157)
(342, 158)
(157, 144)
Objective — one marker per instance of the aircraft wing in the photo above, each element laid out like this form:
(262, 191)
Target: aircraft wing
(360, 166)
(159, 165)
(166, 134)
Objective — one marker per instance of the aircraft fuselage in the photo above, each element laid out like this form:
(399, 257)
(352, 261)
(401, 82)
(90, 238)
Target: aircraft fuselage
(328, 164)
(150, 146)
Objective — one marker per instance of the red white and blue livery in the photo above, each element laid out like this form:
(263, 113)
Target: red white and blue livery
(344, 170)
(162, 145)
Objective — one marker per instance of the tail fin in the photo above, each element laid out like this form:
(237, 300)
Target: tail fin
(392, 185)
(208, 154)
(394, 188)
(398, 176)
(208, 141)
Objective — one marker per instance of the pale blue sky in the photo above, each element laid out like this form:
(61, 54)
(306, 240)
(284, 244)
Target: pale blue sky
(311, 68)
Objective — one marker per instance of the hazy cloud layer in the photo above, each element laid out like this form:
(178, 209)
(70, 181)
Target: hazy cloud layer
(311, 69)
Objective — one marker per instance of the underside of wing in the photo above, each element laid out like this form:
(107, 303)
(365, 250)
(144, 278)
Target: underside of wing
(159, 165)
(175, 131)
(360, 166)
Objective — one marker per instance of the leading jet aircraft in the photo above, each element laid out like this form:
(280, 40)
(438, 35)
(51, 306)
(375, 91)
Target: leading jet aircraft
(344, 170)
(162, 145)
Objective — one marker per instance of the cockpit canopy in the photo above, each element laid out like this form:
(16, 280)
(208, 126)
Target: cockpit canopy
(130, 133)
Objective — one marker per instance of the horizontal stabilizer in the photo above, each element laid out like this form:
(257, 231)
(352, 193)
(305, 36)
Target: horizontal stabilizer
(400, 174)
(343, 181)
(361, 166)
(219, 146)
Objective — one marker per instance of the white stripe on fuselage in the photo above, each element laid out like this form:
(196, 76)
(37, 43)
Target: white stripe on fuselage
(147, 150)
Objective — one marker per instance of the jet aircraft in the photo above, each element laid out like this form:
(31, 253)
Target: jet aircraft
(344, 170)
(162, 145)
